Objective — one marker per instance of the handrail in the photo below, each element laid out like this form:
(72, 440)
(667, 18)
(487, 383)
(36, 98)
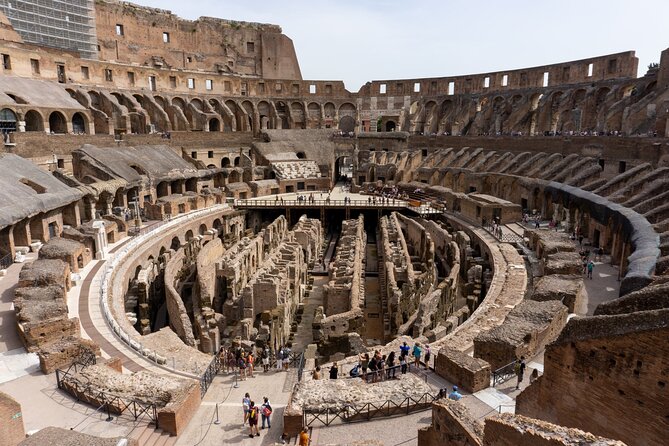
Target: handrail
(503, 373)
(6, 261)
(352, 413)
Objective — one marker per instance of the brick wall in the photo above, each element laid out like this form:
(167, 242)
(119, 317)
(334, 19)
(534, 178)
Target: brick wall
(516, 430)
(472, 374)
(11, 421)
(606, 375)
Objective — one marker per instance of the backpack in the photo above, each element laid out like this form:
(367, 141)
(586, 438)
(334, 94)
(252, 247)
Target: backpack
(267, 410)
(253, 415)
(516, 368)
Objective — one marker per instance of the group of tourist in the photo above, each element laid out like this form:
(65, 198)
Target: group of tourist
(252, 411)
(239, 360)
(380, 367)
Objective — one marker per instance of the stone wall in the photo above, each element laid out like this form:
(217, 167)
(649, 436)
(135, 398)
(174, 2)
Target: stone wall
(471, 374)
(526, 330)
(11, 421)
(517, 430)
(570, 290)
(452, 425)
(610, 368)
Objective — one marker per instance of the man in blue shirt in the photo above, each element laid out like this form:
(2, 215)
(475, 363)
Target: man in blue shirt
(404, 349)
(455, 395)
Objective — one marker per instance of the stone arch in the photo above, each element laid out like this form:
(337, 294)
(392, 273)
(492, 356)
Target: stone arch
(214, 125)
(265, 115)
(57, 122)
(216, 223)
(330, 110)
(250, 112)
(236, 161)
(198, 104)
(189, 235)
(34, 121)
(225, 162)
(298, 115)
(79, 123)
(160, 101)
(8, 120)
(282, 115)
(179, 102)
(176, 243)
(390, 126)
(202, 229)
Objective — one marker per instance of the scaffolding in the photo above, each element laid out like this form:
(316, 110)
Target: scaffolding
(64, 24)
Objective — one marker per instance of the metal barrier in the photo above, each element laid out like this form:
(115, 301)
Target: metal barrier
(67, 381)
(300, 366)
(503, 374)
(209, 375)
(351, 413)
(6, 261)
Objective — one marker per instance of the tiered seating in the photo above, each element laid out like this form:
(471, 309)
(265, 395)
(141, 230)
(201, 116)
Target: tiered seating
(291, 170)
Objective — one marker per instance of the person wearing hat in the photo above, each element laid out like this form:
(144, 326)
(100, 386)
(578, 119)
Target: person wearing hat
(455, 395)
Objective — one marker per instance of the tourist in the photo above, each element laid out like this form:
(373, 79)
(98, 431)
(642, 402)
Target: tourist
(253, 420)
(279, 359)
(364, 363)
(403, 364)
(591, 266)
(390, 366)
(372, 368)
(334, 370)
(316, 374)
(221, 358)
(455, 395)
(265, 359)
(381, 367)
(519, 368)
(428, 354)
(304, 437)
(265, 412)
(241, 363)
(404, 349)
(417, 351)
(246, 404)
(250, 361)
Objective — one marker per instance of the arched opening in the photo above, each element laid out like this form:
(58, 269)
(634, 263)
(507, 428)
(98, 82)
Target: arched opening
(78, 123)
(189, 235)
(225, 162)
(301, 155)
(57, 123)
(344, 167)
(216, 224)
(390, 126)
(202, 229)
(347, 124)
(214, 125)
(34, 121)
(176, 243)
(236, 162)
(7, 121)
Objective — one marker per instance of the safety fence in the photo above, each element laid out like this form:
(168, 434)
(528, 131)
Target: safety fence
(353, 413)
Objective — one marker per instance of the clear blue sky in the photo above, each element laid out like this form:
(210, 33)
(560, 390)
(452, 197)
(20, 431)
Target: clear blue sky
(364, 40)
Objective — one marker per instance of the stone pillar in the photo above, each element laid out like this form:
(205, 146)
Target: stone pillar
(100, 240)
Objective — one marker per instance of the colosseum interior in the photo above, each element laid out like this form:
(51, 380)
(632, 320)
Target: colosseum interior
(184, 198)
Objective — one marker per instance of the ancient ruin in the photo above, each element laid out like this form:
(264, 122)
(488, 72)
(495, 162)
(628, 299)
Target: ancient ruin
(174, 196)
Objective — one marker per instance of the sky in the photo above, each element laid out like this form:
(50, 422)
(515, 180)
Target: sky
(364, 40)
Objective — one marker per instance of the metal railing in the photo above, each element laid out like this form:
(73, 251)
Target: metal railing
(67, 381)
(300, 366)
(323, 203)
(209, 375)
(6, 261)
(368, 411)
(503, 374)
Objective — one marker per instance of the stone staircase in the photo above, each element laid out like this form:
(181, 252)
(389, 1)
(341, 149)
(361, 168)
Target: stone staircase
(147, 435)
